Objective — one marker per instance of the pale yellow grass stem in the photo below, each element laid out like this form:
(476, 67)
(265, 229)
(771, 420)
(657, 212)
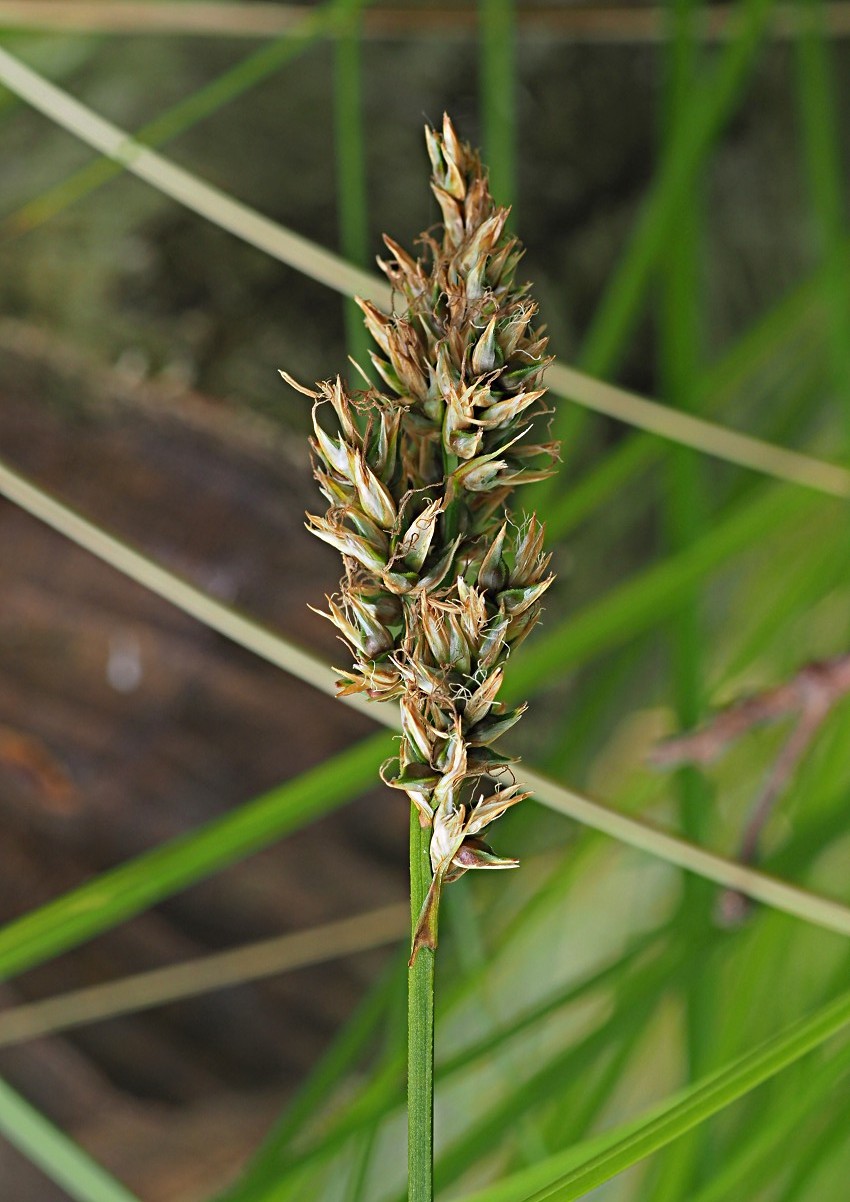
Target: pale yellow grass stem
(159, 986)
(272, 647)
(327, 268)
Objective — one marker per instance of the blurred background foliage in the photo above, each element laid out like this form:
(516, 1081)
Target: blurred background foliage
(678, 178)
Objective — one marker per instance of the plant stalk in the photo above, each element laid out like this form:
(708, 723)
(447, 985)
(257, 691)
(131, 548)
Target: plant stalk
(420, 1030)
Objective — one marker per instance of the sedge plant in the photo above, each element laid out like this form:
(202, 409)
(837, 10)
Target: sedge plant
(440, 584)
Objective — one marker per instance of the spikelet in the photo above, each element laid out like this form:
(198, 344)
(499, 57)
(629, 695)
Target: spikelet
(440, 585)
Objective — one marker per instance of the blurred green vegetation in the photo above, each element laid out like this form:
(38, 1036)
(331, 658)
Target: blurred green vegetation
(683, 201)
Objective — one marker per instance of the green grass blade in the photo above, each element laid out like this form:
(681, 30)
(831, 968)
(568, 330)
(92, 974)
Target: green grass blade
(743, 1173)
(823, 154)
(188, 189)
(181, 117)
(651, 595)
(60, 1158)
(684, 519)
(636, 1141)
(679, 356)
(702, 435)
(700, 123)
(346, 1049)
(329, 269)
(191, 600)
(131, 888)
(793, 326)
(385, 1092)
(351, 172)
(497, 70)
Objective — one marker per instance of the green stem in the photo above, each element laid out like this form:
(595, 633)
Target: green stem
(351, 171)
(497, 72)
(420, 1031)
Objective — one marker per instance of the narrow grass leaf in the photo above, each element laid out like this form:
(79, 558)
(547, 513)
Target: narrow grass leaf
(696, 432)
(823, 154)
(307, 29)
(651, 594)
(497, 73)
(347, 1048)
(633, 607)
(637, 1140)
(700, 122)
(685, 520)
(133, 887)
(793, 324)
(325, 267)
(187, 189)
(762, 1153)
(351, 170)
(60, 1158)
(203, 974)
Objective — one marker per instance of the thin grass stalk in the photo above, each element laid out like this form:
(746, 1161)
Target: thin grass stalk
(346, 1050)
(601, 24)
(440, 584)
(322, 265)
(699, 126)
(203, 974)
(599, 626)
(576, 1172)
(822, 146)
(688, 430)
(700, 123)
(497, 58)
(184, 187)
(351, 168)
(420, 1028)
(310, 27)
(683, 517)
(59, 1157)
(793, 324)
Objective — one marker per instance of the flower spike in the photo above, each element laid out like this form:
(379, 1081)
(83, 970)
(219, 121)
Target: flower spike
(440, 584)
